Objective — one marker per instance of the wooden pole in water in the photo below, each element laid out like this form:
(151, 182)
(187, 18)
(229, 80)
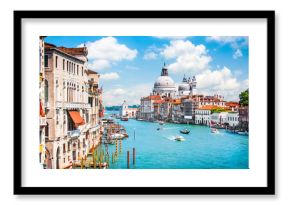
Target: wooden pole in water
(82, 163)
(134, 156)
(128, 159)
(120, 146)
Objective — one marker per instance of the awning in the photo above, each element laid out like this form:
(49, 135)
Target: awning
(76, 117)
(41, 111)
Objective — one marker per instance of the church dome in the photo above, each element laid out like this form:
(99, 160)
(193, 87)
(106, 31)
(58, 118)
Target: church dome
(184, 87)
(164, 82)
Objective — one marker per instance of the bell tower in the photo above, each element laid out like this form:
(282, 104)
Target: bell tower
(164, 71)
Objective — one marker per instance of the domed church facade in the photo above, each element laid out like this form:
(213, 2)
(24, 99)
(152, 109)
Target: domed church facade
(164, 84)
(187, 87)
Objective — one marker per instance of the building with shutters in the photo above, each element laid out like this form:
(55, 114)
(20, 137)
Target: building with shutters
(72, 103)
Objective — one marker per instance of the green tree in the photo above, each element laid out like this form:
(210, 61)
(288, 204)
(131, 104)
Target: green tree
(244, 98)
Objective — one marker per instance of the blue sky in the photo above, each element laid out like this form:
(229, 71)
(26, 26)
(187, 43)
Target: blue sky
(129, 65)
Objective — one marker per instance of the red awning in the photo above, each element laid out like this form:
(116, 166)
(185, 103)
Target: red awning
(76, 117)
(41, 111)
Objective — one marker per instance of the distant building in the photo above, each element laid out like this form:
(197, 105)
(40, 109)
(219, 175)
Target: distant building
(219, 118)
(177, 114)
(189, 106)
(147, 107)
(244, 118)
(203, 114)
(125, 111)
(233, 106)
(233, 119)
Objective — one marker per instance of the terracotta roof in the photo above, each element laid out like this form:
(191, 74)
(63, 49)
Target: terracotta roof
(208, 107)
(153, 97)
(49, 45)
(74, 51)
(232, 104)
(92, 72)
(175, 101)
(158, 101)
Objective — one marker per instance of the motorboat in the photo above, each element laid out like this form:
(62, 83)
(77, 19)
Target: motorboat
(185, 131)
(118, 136)
(179, 138)
(124, 119)
(161, 123)
(214, 130)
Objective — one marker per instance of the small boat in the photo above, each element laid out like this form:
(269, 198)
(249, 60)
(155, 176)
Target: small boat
(140, 119)
(118, 136)
(158, 128)
(179, 138)
(161, 123)
(214, 130)
(124, 119)
(185, 131)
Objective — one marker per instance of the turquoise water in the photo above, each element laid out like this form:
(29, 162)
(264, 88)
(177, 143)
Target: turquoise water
(200, 150)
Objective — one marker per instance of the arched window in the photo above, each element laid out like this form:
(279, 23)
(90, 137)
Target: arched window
(46, 130)
(46, 91)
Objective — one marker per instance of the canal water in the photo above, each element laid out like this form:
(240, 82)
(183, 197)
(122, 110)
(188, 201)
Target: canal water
(157, 149)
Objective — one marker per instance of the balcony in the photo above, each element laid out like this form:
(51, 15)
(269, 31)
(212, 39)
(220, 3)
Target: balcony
(74, 133)
(72, 105)
(42, 121)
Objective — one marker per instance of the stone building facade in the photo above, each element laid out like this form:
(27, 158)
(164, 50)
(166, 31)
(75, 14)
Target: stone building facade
(72, 109)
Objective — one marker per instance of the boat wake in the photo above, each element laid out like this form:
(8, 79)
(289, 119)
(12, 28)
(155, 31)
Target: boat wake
(172, 138)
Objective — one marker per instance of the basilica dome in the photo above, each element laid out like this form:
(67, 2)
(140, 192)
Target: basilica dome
(164, 85)
(184, 87)
(164, 82)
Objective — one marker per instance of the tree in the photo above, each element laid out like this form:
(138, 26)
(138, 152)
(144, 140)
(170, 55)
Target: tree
(244, 98)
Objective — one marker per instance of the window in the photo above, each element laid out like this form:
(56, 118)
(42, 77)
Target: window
(63, 160)
(74, 68)
(63, 148)
(46, 130)
(64, 119)
(46, 61)
(56, 57)
(82, 71)
(46, 91)
(77, 69)
(67, 66)
(63, 64)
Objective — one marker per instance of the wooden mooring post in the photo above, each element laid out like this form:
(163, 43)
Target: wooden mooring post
(128, 159)
(134, 156)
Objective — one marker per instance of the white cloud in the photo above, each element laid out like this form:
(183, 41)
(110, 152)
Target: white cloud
(189, 58)
(131, 95)
(109, 76)
(235, 41)
(102, 53)
(150, 56)
(220, 82)
(238, 54)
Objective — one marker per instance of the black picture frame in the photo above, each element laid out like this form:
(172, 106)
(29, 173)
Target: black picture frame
(269, 16)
